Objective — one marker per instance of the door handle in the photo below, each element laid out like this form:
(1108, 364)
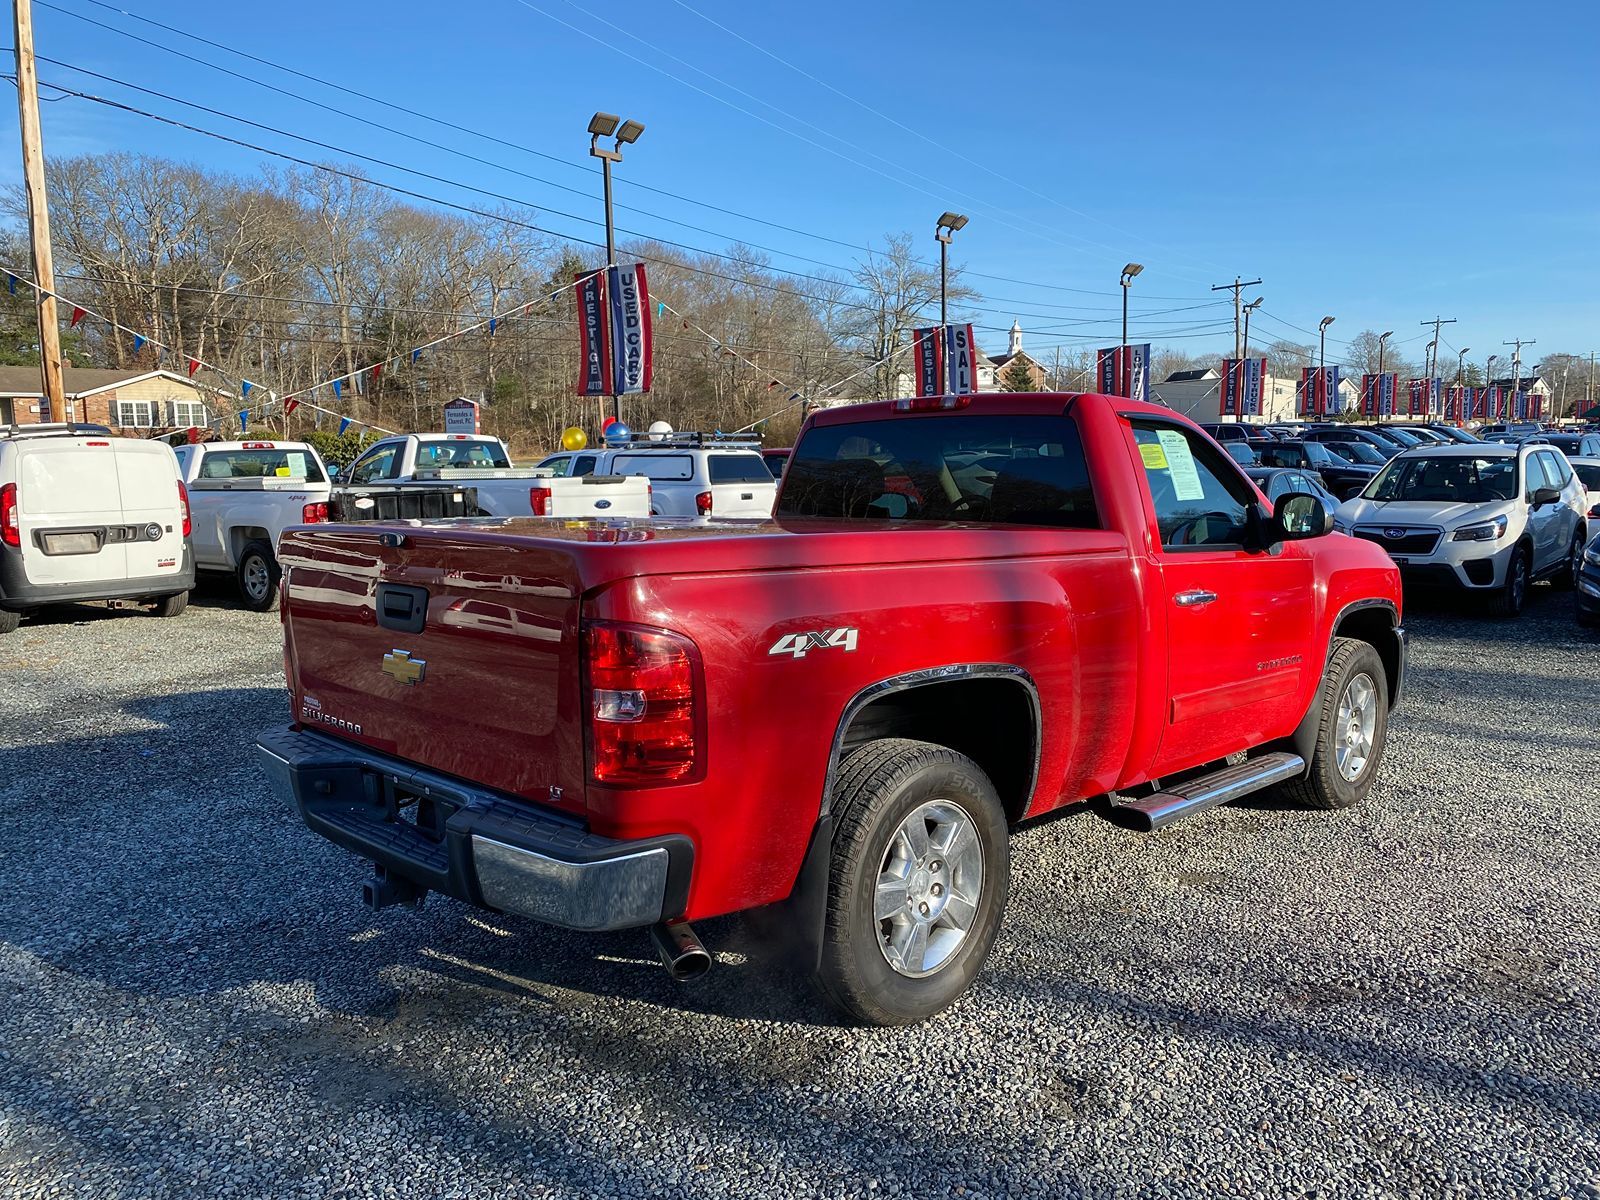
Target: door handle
(1194, 598)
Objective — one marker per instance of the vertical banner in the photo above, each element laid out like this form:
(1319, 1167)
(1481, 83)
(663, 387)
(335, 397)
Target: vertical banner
(1435, 397)
(1388, 390)
(1489, 403)
(1107, 365)
(961, 361)
(629, 299)
(1125, 371)
(1520, 404)
(1369, 396)
(594, 374)
(1535, 406)
(1230, 387)
(927, 350)
(1319, 391)
(1305, 393)
(1254, 385)
(1417, 397)
(1331, 400)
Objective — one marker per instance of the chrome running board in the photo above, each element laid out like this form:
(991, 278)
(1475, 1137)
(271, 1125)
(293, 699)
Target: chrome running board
(1163, 808)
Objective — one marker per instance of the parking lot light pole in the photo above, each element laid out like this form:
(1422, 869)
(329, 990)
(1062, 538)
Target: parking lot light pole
(1382, 338)
(949, 224)
(604, 125)
(1128, 272)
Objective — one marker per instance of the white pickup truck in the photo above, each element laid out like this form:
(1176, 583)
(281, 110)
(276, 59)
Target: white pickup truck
(242, 496)
(503, 490)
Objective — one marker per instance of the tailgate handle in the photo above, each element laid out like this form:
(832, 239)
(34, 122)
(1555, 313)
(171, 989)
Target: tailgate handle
(402, 609)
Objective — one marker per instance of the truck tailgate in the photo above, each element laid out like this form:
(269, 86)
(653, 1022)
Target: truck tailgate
(441, 647)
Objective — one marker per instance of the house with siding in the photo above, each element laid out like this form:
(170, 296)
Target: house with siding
(138, 403)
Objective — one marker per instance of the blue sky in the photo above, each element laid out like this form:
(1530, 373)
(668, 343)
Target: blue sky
(1378, 162)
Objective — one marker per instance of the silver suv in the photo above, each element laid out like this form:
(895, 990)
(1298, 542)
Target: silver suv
(1486, 518)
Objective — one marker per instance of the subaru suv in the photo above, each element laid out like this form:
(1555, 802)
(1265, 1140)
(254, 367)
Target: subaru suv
(1489, 519)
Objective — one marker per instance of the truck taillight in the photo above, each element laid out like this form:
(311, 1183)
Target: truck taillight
(10, 528)
(702, 504)
(644, 719)
(539, 501)
(314, 513)
(183, 503)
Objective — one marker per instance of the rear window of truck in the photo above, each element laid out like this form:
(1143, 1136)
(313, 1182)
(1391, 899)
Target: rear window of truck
(459, 455)
(261, 464)
(1005, 470)
(665, 467)
(738, 468)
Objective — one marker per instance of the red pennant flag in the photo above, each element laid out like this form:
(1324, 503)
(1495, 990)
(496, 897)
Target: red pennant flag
(526, 309)
(290, 405)
(194, 365)
(772, 384)
(377, 372)
(77, 315)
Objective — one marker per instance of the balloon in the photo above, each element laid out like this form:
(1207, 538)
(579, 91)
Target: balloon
(607, 423)
(659, 431)
(618, 432)
(573, 438)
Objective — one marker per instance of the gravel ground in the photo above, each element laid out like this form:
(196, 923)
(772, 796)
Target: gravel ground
(1396, 1001)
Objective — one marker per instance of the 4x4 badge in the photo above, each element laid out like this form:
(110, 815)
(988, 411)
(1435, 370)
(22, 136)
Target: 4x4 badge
(797, 644)
(399, 665)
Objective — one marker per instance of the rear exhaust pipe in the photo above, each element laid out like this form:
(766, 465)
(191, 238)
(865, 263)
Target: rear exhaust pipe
(680, 950)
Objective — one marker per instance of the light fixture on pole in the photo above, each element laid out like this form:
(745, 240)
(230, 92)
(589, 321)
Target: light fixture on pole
(604, 125)
(949, 223)
(1461, 363)
(1128, 272)
(1322, 341)
(1382, 338)
(1244, 351)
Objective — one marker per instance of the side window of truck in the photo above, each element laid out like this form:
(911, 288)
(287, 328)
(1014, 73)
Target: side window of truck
(1198, 501)
(379, 464)
(583, 464)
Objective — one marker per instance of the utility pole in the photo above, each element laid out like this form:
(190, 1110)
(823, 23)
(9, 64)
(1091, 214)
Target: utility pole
(44, 271)
(1237, 286)
(1588, 387)
(1433, 363)
(1516, 371)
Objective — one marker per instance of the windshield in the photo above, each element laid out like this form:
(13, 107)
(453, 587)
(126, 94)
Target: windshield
(459, 455)
(1359, 452)
(1567, 443)
(1015, 470)
(1456, 479)
(1403, 436)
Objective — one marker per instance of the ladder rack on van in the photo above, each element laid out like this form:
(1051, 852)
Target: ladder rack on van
(681, 441)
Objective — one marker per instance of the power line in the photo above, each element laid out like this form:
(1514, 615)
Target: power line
(498, 141)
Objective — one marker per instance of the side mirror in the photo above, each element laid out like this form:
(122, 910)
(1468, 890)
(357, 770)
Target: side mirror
(1300, 515)
(1546, 495)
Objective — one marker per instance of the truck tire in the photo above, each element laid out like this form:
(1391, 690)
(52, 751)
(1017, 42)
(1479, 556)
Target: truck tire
(171, 606)
(1508, 599)
(1352, 710)
(919, 874)
(257, 575)
(9, 621)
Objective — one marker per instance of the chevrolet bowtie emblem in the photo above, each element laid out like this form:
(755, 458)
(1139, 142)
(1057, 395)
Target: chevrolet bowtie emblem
(399, 665)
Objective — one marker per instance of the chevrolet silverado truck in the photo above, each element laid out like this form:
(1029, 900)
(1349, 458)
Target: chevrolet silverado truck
(964, 613)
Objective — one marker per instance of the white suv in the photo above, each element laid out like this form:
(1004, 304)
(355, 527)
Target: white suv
(690, 475)
(1487, 518)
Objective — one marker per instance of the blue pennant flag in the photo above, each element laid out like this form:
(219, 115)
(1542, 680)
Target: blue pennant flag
(344, 423)
(416, 354)
(492, 322)
(338, 388)
(138, 343)
(244, 388)
(11, 284)
(661, 307)
(244, 419)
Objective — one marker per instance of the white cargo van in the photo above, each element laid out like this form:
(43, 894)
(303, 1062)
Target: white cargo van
(86, 516)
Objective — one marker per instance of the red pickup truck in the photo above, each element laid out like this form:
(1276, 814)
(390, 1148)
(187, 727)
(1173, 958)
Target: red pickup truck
(965, 612)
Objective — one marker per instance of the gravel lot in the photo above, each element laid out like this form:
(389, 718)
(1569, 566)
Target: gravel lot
(1397, 1001)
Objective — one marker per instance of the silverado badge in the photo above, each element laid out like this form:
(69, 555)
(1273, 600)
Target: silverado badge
(398, 664)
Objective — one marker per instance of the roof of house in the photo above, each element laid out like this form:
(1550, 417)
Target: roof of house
(1192, 376)
(1526, 382)
(81, 381)
(1001, 360)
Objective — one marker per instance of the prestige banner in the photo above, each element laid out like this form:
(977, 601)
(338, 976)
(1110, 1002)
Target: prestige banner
(1242, 381)
(594, 372)
(927, 353)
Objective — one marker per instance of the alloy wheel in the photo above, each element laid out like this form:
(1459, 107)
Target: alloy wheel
(928, 889)
(1356, 726)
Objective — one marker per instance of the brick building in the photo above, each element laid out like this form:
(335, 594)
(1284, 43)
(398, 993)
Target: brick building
(134, 402)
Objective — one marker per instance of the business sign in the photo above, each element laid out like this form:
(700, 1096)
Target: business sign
(1242, 382)
(461, 416)
(594, 373)
(961, 360)
(1457, 404)
(628, 296)
(1124, 371)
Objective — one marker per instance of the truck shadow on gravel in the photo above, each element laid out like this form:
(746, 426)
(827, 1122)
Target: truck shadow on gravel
(188, 877)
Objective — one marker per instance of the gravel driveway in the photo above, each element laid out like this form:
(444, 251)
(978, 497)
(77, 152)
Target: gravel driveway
(1400, 1000)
